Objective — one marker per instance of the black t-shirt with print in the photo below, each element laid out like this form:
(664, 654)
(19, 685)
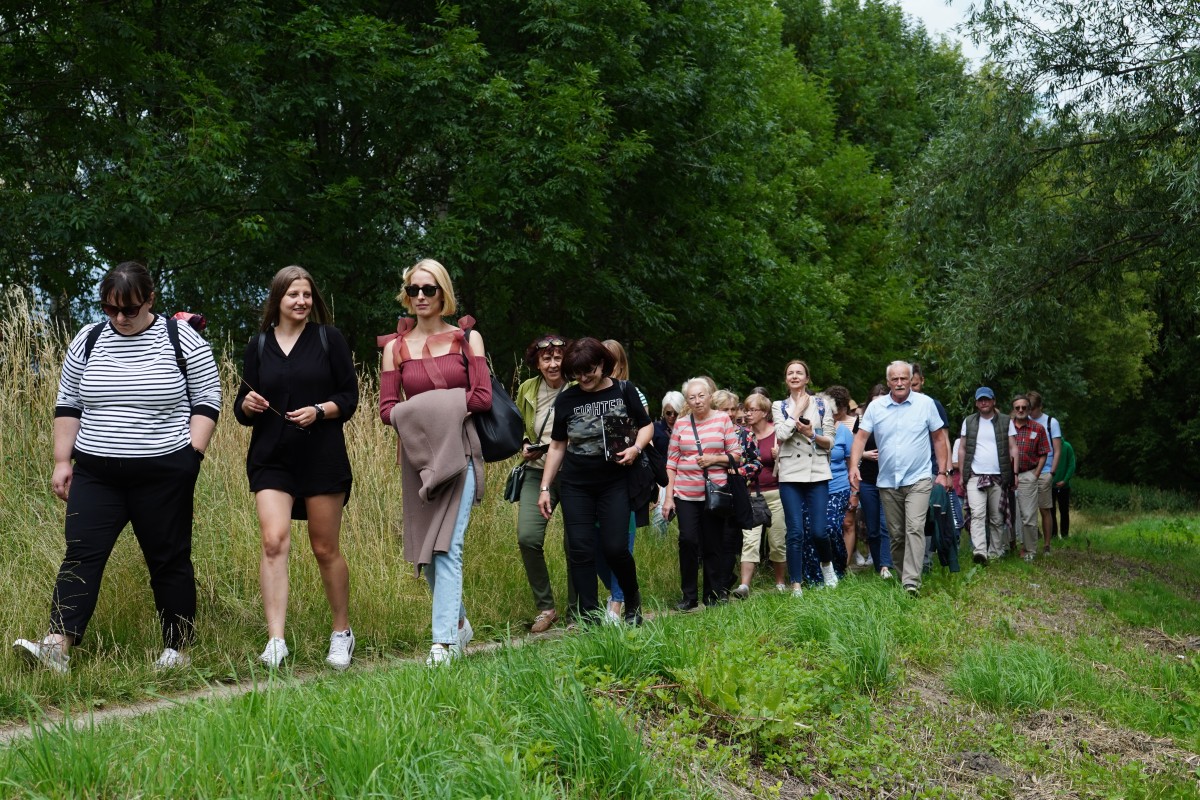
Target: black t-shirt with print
(579, 421)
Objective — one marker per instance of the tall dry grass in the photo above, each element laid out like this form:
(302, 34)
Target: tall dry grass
(389, 606)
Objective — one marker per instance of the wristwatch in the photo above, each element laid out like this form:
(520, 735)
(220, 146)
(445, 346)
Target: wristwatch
(320, 412)
(544, 489)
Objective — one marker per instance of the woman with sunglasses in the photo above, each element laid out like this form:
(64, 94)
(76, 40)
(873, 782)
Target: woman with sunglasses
(535, 399)
(435, 375)
(594, 479)
(298, 391)
(672, 405)
(138, 400)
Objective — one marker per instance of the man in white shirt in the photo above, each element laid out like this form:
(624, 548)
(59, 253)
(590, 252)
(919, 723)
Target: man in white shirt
(986, 470)
(907, 427)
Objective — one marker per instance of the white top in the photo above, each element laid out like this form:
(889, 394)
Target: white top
(1053, 431)
(986, 460)
(130, 396)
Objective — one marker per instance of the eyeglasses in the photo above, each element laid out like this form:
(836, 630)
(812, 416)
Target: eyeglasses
(670, 412)
(544, 343)
(428, 290)
(129, 311)
(1020, 408)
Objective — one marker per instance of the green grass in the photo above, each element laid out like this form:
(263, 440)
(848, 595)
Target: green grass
(1016, 676)
(1090, 494)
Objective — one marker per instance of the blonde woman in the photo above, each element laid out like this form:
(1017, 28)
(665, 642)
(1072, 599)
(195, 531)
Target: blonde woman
(703, 441)
(758, 414)
(434, 376)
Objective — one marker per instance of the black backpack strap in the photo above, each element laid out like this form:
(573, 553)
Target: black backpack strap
(262, 343)
(180, 361)
(324, 338)
(89, 343)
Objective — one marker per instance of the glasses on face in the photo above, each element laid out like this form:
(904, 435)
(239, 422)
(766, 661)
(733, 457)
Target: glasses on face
(595, 369)
(1020, 408)
(544, 343)
(670, 412)
(429, 290)
(755, 410)
(129, 311)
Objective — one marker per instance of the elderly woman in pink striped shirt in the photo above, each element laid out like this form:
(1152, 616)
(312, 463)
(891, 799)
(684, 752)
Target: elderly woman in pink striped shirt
(704, 441)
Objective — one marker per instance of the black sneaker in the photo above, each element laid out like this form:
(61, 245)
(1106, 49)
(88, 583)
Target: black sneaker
(979, 558)
(686, 606)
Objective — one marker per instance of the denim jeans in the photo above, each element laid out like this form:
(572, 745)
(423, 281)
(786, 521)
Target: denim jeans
(877, 531)
(445, 574)
(804, 512)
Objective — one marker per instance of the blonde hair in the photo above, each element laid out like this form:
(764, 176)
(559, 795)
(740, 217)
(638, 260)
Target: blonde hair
(707, 381)
(440, 276)
(724, 397)
(621, 369)
(759, 401)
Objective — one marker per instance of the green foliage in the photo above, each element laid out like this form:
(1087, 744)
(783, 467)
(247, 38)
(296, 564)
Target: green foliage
(1096, 495)
(1016, 675)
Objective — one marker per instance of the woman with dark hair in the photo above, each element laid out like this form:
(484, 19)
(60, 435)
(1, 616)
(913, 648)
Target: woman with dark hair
(535, 399)
(299, 387)
(868, 494)
(138, 400)
(592, 423)
(704, 442)
(839, 483)
(804, 432)
(435, 375)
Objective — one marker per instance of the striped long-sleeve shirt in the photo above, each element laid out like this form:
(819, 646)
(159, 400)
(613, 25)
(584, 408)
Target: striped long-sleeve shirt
(718, 435)
(130, 396)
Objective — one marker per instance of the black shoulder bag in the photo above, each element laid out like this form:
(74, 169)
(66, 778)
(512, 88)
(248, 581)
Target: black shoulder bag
(717, 499)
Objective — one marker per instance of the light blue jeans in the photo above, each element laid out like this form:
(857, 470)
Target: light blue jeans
(445, 574)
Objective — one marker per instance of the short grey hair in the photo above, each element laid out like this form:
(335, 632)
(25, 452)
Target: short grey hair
(904, 364)
(674, 400)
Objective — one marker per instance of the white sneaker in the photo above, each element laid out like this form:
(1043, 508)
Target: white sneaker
(859, 561)
(274, 653)
(781, 587)
(172, 659)
(341, 648)
(797, 590)
(830, 575)
(440, 655)
(43, 654)
(465, 634)
(741, 592)
(885, 573)
(869, 561)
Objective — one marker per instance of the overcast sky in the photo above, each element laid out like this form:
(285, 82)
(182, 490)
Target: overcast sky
(940, 17)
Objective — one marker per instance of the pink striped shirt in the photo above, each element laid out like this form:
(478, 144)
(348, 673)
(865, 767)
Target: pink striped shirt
(717, 435)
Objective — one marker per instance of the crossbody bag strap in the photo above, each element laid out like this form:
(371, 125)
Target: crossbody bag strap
(699, 445)
(549, 411)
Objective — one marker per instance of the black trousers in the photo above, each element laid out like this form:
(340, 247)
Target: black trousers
(1060, 514)
(155, 495)
(598, 517)
(703, 533)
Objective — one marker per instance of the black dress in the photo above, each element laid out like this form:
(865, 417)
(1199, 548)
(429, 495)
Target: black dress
(301, 462)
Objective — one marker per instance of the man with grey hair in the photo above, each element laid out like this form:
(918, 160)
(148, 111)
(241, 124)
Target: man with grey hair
(907, 429)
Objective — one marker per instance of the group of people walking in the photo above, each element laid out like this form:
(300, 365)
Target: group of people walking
(139, 397)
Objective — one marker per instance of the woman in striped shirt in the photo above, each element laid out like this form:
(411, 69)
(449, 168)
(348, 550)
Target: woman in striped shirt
(705, 441)
(138, 400)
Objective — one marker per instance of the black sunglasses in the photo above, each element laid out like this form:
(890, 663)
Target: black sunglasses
(428, 290)
(129, 311)
(554, 342)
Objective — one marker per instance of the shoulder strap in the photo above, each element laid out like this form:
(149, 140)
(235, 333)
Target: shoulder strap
(90, 343)
(324, 338)
(180, 361)
(699, 445)
(549, 411)
(820, 408)
(262, 345)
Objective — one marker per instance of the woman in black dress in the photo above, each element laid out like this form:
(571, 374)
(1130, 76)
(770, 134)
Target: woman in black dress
(299, 389)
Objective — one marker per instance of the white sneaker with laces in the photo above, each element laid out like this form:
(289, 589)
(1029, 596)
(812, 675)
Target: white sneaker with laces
(172, 659)
(440, 655)
(830, 575)
(274, 653)
(341, 648)
(781, 587)
(797, 590)
(859, 561)
(885, 573)
(43, 654)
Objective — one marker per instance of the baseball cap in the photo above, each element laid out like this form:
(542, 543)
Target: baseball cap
(984, 391)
